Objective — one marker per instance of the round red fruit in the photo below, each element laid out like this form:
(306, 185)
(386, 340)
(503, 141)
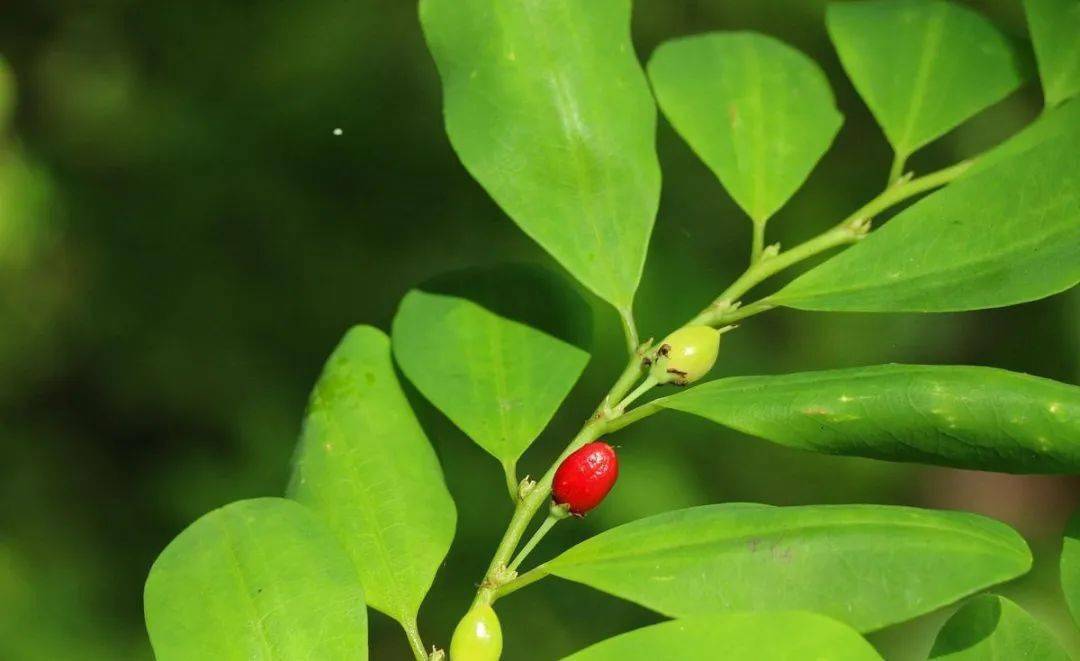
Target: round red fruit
(585, 477)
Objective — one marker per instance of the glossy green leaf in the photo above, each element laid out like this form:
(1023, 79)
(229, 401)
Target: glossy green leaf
(1006, 235)
(1070, 566)
(548, 108)
(784, 636)
(497, 379)
(1055, 32)
(257, 580)
(968, 417)
(922, 66)
(757, 111)
(868, 566)
(365, 467)
(992, 627)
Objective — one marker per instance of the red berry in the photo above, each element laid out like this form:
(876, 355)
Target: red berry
(585, 477)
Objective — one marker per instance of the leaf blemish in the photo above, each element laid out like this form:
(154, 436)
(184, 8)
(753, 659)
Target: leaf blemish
(782, 554)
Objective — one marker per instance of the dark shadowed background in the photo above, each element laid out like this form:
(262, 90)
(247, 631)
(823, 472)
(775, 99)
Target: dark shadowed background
(183, 240)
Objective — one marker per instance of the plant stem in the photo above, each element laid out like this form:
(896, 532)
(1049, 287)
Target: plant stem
(547, 525)
(412, 632)
(528, 578)
(846, 232)
(510, 470)
(634, 370)
(526, 509)
(850, 230)
(724, 309)
(757, 245)
(629, 329)
(897, 169)
(742, 312)
(642, 388)
(635, 414)
(896, 194)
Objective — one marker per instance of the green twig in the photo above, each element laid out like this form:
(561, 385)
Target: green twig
(635, 414)
(631, 374)
(526, 509)
(552, 518)
(647, 384)
(526, 579)
(498, 580)
(850, 230)
(742, 312)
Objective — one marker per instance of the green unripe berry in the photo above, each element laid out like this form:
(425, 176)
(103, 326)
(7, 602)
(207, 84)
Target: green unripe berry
(478, 636)
(686, 355)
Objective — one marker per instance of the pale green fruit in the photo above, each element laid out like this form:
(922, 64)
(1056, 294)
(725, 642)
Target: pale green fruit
(478, 636)
(686, 355)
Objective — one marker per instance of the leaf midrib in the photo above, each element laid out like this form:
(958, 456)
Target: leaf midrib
(563, 102)
(931, 49)
(885, 371)
(753, 65)
(370, 516)
(245, 588)
(644, 553)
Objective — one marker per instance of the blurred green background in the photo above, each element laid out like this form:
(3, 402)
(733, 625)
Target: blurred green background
(183, 239)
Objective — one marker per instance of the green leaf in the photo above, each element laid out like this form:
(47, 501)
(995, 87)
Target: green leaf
(1055, 31)
(992, 627)
(1070, 566)
(1006, 235)
(968, 417)
(757, 111)
(742, 637)
(365, 467)
(497, 379)
(548, 108)
(922, 66)
(258, 580)
(868, 566)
